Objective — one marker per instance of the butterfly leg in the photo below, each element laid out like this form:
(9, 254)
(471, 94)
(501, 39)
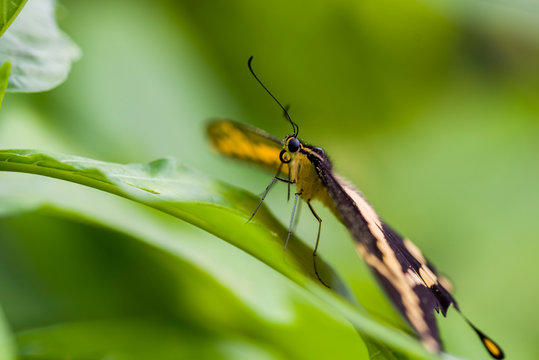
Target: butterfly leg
(296, 220)
(289, 183)
(268, 188)
(292, 220)
(316, 245)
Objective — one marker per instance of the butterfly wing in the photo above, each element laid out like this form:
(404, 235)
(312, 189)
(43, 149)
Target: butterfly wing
(409, 279)
(412, 285)
(247, 143)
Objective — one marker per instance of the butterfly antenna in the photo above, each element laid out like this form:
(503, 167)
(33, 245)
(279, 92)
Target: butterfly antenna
(295, 126)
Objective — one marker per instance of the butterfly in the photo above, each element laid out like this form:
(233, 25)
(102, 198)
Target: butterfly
(411, 282)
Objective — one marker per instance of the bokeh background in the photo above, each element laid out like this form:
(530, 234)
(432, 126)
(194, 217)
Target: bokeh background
(430, 107)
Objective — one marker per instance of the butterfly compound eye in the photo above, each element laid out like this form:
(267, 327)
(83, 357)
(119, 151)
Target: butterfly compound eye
(293, 145)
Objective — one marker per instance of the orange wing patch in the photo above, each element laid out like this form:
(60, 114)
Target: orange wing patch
(247, 143)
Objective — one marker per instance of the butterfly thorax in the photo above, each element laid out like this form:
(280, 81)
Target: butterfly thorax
(303, 172)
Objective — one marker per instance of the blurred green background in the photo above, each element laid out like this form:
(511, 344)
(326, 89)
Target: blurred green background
(430, 107)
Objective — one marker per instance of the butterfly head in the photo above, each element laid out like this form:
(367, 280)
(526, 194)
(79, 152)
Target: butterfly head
(291, 146)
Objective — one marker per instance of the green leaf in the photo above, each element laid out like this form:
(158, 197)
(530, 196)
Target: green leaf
(210, 288)
(183, 193)
(136, 339)
(220, 209)
(5, 69)
(8, 12)
(6, 340)
(39, 52)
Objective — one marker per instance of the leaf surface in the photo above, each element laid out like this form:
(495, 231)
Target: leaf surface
(222, 210)
(6, 341)
(8, 12)
(39, 52)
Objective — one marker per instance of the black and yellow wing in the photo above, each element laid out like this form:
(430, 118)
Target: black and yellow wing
(247, 143)
(400, 268)
(411, 282)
